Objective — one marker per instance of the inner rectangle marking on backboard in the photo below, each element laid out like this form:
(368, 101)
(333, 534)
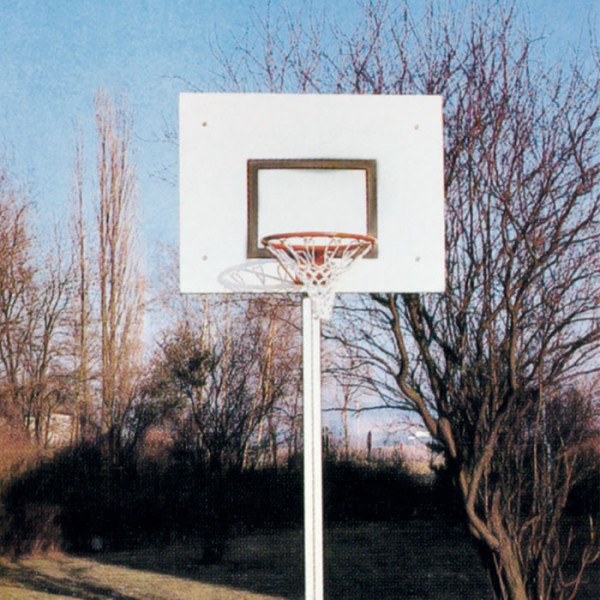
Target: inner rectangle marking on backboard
(289, 195)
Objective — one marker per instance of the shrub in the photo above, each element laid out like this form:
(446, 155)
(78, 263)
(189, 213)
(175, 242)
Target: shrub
(80, 501)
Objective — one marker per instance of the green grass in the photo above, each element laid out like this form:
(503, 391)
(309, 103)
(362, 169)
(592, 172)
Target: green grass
(413, 560)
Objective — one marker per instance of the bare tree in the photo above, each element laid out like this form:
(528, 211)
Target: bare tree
(276, 343)
(519, 320)
(265, 328)
(226, 371)
(81, 303)
(16, 279)
(33, 296)
(348, 372)
(121, 288)
(47, 372)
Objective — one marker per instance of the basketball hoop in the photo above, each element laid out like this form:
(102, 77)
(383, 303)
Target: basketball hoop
(315, 259)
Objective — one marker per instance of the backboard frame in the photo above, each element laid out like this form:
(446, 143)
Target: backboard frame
(255, 250)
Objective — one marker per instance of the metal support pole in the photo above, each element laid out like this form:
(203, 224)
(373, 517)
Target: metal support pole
(313, 471)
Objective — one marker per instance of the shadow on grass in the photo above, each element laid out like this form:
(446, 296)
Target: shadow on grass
(413, 560)
(32, 580)
(420, 559)
(269, 563)
(417, 559)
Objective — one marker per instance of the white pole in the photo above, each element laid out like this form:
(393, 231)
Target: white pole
(313, 487)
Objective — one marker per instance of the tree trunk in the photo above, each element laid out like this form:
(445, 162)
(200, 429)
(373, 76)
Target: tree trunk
(508, 572)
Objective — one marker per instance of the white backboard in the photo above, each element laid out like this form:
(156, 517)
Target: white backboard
(308, 152)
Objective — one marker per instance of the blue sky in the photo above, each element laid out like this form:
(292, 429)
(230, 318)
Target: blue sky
(54, 54)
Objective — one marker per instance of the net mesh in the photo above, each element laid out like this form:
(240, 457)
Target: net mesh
(315, 260)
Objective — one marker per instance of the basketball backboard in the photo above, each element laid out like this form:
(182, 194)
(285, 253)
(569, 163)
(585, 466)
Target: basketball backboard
(253, 165)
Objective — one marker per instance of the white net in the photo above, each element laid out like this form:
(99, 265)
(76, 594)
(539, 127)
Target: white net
(315, 260)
